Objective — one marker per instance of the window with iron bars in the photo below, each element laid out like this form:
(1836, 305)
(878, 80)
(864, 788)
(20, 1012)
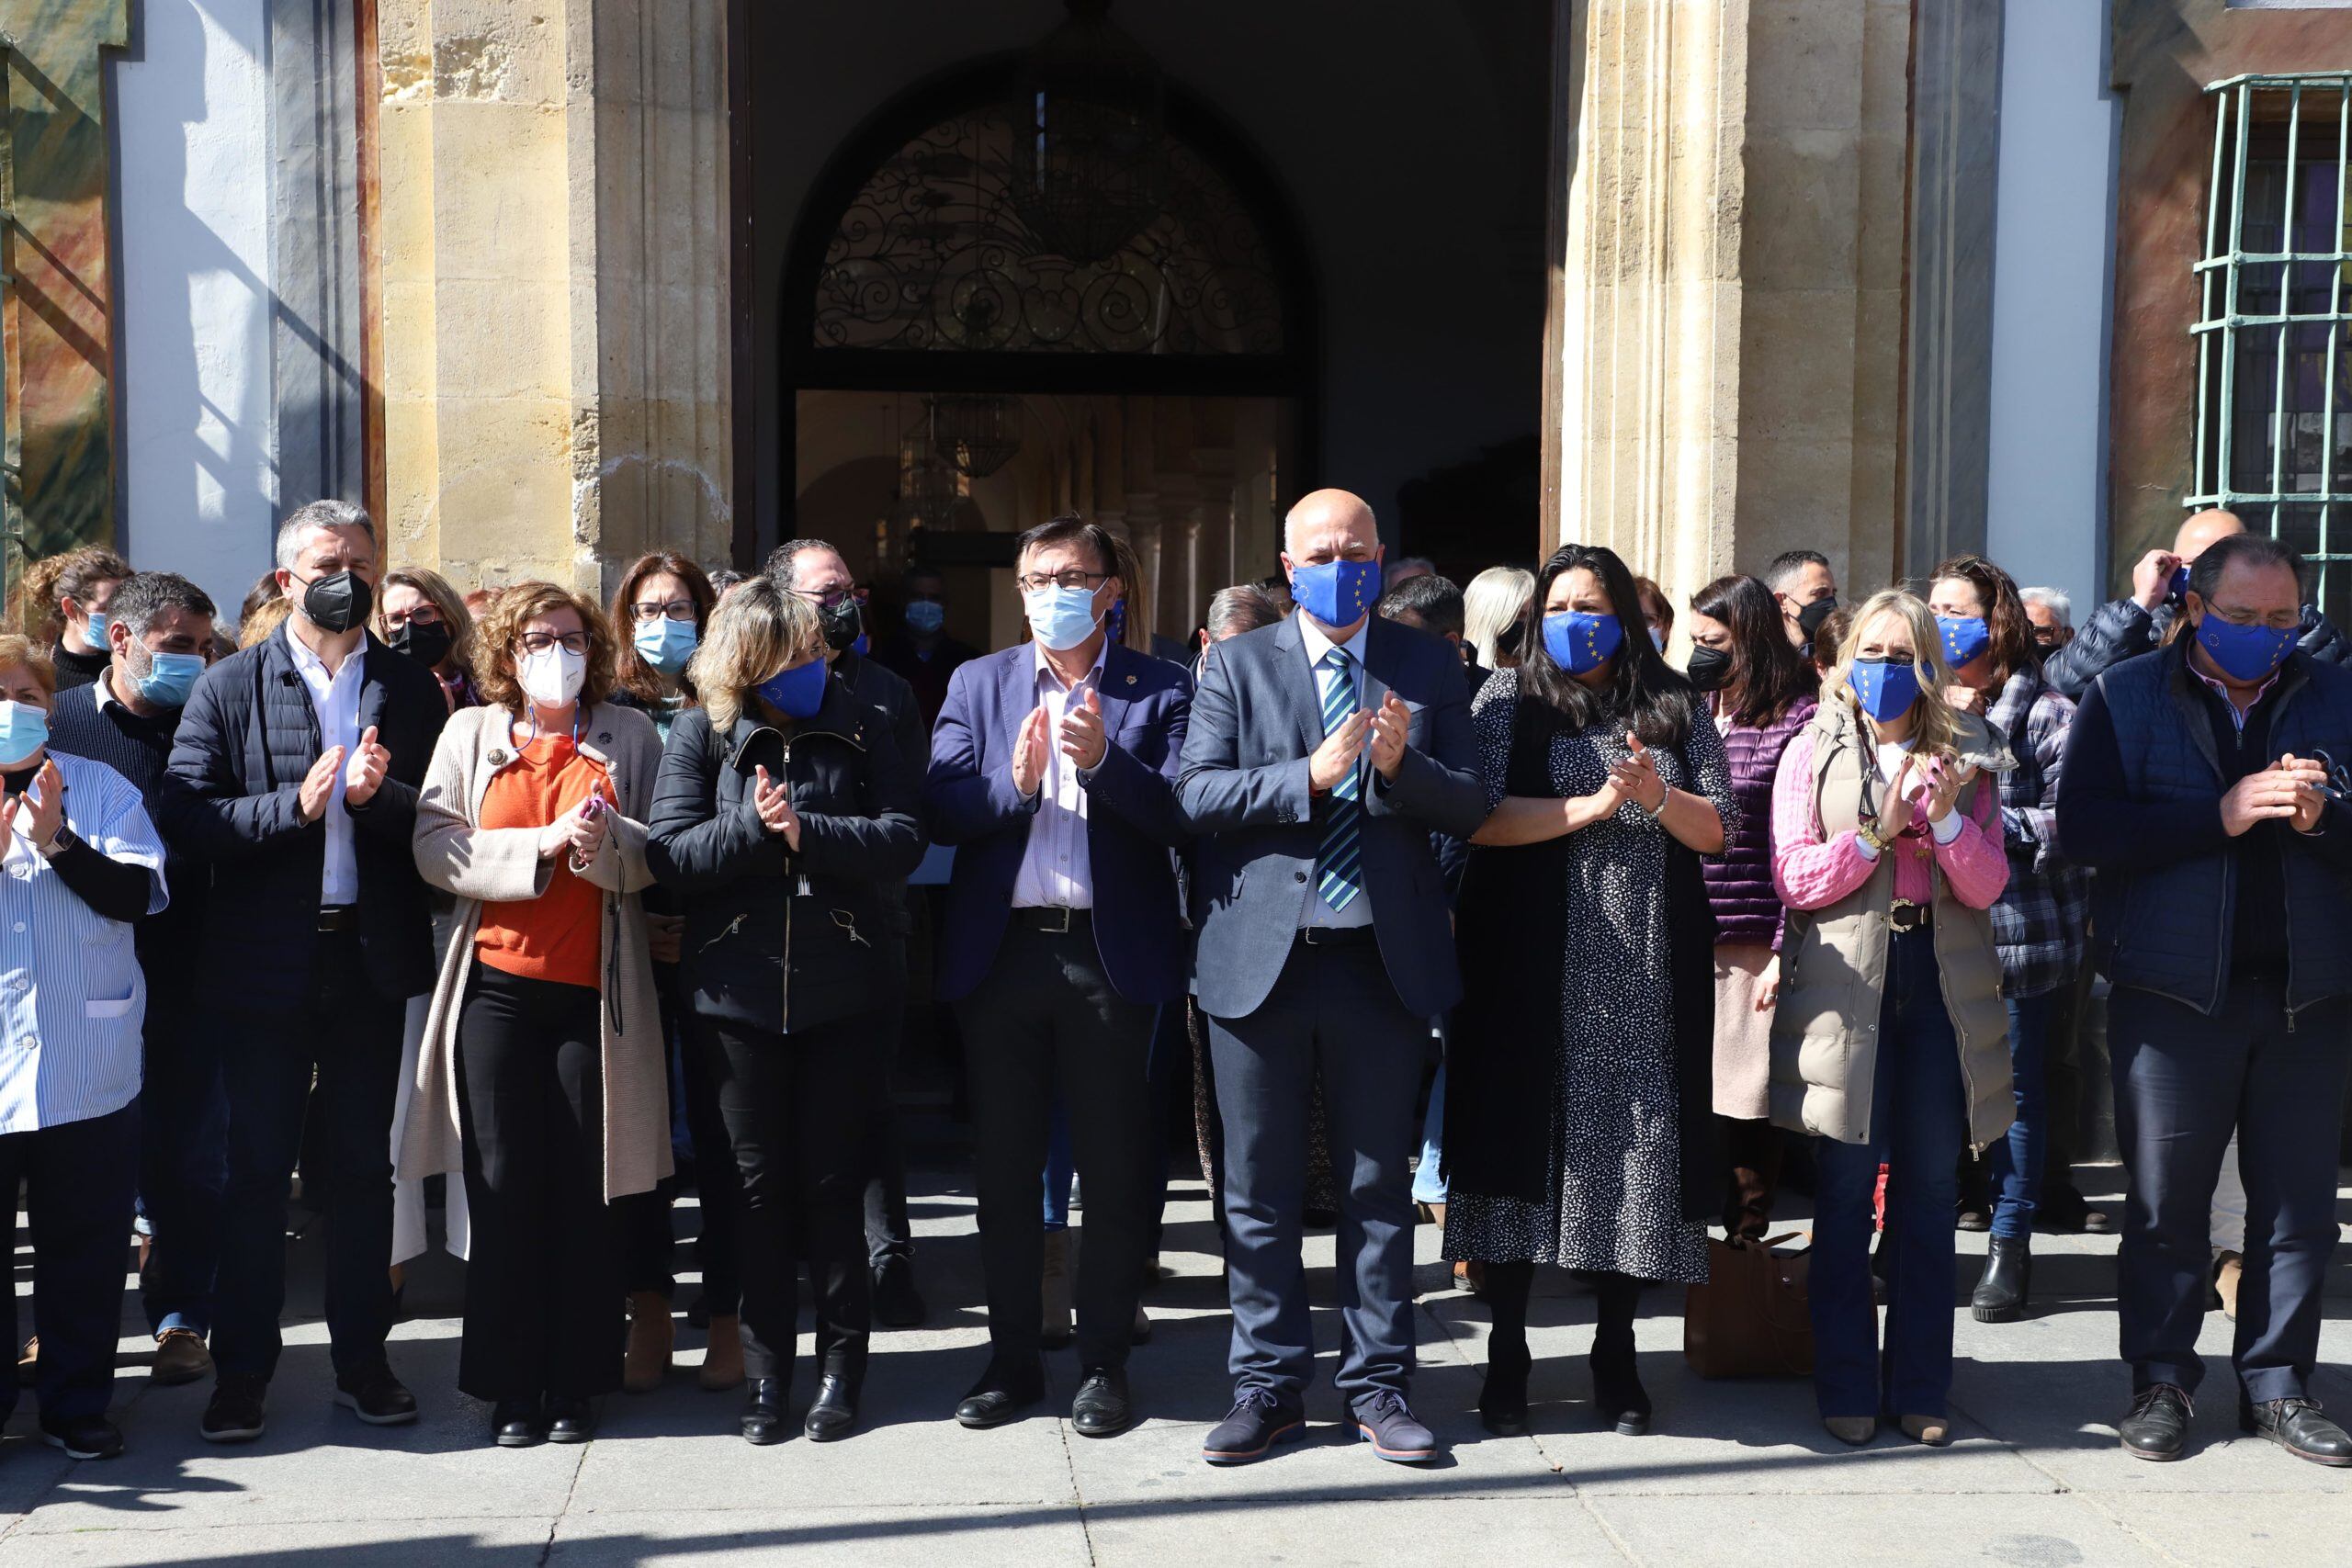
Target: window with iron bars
(2274, 383)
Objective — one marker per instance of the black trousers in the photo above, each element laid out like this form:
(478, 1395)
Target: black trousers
(888, 1233)
(345, 1036)
(1046, 1020)
(182, 1160)
(797, 1111)
(543, 1279)
(2184, 1083)
(80, 1179)
(647, 1243)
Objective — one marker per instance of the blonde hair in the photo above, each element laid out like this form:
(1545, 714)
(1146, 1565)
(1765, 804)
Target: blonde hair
(1934, 730)
(1491, 606)
(266, 617)
(757, 630)
(17, 648)
(445, 598)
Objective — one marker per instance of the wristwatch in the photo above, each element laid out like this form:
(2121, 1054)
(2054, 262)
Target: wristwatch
(59, 843)
(1869, 834)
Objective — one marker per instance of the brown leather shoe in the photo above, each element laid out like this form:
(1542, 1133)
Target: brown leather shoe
(650, 1336)
(1470, 1278)
(180, 1357)
(722, 1360)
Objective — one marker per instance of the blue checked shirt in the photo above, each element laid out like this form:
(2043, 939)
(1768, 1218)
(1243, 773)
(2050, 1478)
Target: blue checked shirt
(72, 998)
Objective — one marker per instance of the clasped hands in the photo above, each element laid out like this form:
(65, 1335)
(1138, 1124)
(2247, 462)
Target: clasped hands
(1083, 737)
(580, 829)
(1380, 732)
(361, 770)
(2288, 789)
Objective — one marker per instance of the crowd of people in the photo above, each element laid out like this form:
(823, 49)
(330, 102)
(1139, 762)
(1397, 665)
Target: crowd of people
(1464, 903)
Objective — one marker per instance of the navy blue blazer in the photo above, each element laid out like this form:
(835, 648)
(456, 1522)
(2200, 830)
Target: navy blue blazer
(1131, 822)
(1244, 790)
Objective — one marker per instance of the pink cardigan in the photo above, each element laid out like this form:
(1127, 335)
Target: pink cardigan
(1812, 874)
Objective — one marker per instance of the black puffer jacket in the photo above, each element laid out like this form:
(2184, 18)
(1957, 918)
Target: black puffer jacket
(2122, 629)
(776, 940)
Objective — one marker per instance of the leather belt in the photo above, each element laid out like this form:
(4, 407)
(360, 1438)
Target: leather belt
(339, 918)
(1908, 917)
(1337, 936)
(1053, 920)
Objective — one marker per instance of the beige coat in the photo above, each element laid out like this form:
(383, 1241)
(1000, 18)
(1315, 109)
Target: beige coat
(504, 865)
(1833, 965)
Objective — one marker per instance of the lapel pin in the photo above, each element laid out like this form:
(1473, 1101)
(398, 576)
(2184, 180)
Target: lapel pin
(1131, 680)
(497, 756)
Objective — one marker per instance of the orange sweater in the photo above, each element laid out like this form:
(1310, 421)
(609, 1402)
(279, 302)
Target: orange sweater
(559, 935)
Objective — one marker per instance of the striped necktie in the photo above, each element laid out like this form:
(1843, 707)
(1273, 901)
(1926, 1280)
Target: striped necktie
(1341, 859)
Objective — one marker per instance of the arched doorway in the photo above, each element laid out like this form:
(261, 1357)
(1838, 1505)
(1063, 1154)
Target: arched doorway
(1168, 389)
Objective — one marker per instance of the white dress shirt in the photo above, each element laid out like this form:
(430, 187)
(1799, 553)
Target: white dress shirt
(1359, 909)
(72, 1001)
(1056, 871)
(336, 698)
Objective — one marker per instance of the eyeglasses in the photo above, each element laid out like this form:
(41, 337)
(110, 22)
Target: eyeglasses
(833, 598)
(1037, 581)
(2338, 787)
(539, 642)
(422, 615)
(654, 610)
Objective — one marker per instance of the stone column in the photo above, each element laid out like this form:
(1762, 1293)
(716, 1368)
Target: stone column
(558, 395)
(1725, 342)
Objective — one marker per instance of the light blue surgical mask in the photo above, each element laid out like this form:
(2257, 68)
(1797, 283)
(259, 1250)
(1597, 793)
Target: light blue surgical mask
(170, 678)
(99, 621)
(925, 616)
(24, 729)
(666, 644)
(1060, 618)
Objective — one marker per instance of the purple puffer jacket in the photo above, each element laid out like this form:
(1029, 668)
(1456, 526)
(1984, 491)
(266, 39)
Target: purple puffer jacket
(1739, 883)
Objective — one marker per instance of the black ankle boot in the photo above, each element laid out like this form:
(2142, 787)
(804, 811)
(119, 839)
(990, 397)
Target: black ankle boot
(763, 1411)
(1502, 1402)
(834, 1411)
(1617, 1393)
(2008, 1278)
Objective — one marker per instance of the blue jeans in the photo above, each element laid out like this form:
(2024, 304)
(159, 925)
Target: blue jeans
(1917, 1116)
(2016, 1161)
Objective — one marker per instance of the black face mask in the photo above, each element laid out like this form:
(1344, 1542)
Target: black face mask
(1809, 619)
(339, 603)
(842, 623)
(427, 642)
(1709, 668)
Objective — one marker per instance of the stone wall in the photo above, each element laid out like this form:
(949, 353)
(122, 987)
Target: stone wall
(1726, 339)
(553, 243)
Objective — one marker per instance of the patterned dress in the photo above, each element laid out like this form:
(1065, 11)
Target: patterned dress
(1576, 955)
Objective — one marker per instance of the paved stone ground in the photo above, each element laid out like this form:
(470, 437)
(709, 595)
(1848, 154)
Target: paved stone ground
(1736, 1473)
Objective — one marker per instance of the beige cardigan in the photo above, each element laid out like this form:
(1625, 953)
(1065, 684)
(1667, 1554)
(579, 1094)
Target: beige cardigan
(502, 864)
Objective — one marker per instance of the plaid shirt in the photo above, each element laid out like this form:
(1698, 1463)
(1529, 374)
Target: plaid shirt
(2040, 924)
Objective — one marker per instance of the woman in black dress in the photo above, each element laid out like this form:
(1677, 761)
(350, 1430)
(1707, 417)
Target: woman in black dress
(1577, 1125)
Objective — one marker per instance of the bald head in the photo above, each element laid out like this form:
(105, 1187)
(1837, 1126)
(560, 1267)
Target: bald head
(2202, 529)
(1335, 515)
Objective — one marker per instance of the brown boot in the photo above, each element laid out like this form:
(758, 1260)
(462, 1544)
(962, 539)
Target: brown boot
(650, 1335)
(722, 1359)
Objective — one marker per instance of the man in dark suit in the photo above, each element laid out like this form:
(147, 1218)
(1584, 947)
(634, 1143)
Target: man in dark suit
(295, 773)
(1322, 754)
(1052, 770)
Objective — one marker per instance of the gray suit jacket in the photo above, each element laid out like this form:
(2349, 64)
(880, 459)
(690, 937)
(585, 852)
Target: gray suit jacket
(1243, 790)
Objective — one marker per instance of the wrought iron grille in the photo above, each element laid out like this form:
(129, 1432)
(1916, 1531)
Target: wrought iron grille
(2274, 383)
(934, 254)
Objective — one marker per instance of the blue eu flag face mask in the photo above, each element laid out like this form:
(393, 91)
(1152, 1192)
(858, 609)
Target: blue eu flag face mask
(666, 644)
(1885, 687)
(1336, 593)
(1965, 639)
(170, 678)
(1580, 642)
(798, 693)
(24, 729)
(2244, 653)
